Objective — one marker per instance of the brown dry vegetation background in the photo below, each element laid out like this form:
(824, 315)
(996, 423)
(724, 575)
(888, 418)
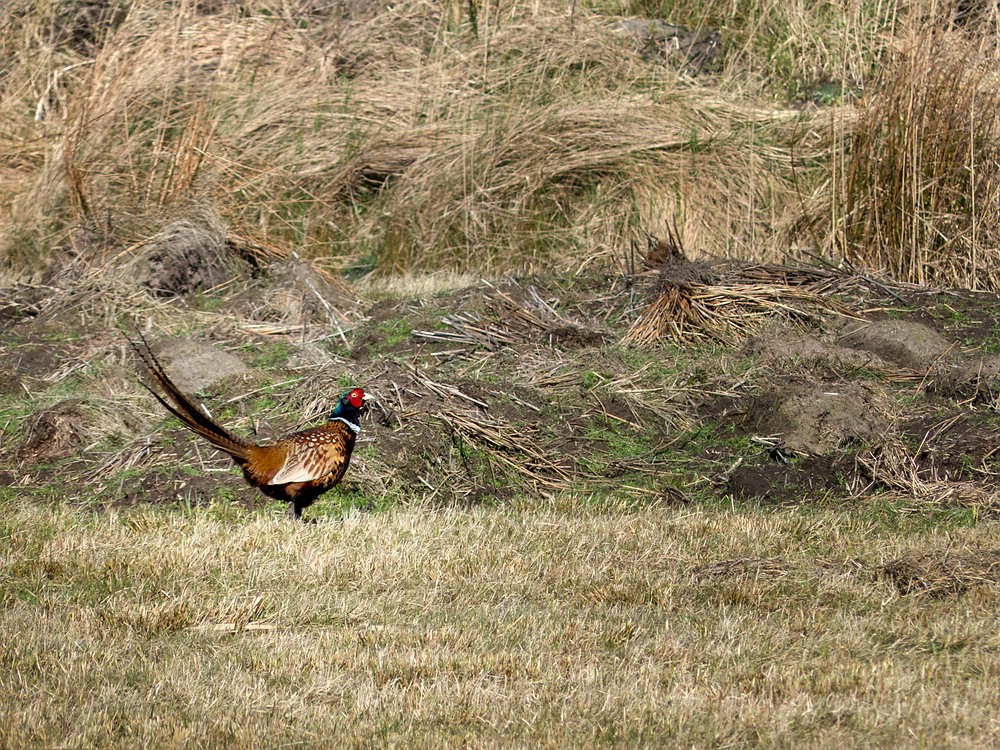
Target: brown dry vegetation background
(680, 320)
(418, 138)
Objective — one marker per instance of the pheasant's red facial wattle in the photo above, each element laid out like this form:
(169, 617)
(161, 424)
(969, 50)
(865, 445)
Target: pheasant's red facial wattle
(356, 397)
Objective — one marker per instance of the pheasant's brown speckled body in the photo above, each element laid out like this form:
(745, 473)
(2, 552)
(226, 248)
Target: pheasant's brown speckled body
(297, 469)
(304, 465)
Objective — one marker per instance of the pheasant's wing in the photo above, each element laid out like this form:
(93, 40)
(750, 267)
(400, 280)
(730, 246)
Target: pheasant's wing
(314, 454)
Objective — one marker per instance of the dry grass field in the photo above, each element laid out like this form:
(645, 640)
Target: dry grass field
(564, 625)
(680, 324)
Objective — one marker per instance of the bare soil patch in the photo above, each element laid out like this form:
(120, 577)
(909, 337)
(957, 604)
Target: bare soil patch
(954, 445)
(172, 487)
(906, 343)
(793, 482)
(195, 365)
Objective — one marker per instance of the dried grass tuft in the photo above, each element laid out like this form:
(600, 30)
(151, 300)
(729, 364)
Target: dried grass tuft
(945, 572)
(512, 321)
(55, 432)
(920, 195)
(892, 467)
(690, 305)
(745, 567)
(386, 141)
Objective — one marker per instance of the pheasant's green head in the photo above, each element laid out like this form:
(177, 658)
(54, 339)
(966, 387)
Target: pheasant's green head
(350, 406)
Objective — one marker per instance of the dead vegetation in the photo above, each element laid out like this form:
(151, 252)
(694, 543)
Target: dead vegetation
(56, 432)
(668, 447)
(406, 158)
(921, 187)
(943, 572)
(691, 301)
(435, 140)
(429, 143)
(744, 567)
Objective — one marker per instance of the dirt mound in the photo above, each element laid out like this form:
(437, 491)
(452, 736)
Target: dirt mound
(906, 343)
(185, 258)
(820, 418)
(969, 379)
(53, 433)
(294, 293)
(782, 348)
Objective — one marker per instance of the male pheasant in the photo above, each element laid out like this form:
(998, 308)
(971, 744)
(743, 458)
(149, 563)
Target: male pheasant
(297, 469)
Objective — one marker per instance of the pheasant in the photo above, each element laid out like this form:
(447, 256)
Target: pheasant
(297, 469)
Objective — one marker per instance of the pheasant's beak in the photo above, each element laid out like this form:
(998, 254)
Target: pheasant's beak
(366, 399)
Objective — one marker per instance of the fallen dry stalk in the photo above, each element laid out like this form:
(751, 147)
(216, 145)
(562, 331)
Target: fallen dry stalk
(511, 446)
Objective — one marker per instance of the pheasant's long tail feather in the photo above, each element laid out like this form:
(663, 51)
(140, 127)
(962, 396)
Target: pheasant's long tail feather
(181, 406)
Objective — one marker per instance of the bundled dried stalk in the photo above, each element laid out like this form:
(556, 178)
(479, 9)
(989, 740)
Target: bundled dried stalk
(685, 311)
